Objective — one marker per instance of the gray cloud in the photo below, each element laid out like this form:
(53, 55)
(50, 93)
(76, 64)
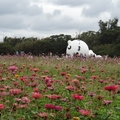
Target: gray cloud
(17, 14)
(52, 22)
(11, 22)
(12, 6)
(115, 10)
(71, 3)
(32, 17)
(97, 8)
(19, 7)
(56, 12)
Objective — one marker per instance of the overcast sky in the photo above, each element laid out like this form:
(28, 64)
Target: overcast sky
(43, 18)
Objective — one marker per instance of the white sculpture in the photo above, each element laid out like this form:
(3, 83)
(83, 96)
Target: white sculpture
(91, 53)
(77, 47)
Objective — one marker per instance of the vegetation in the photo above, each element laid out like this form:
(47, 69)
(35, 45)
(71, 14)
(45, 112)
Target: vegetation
(105, 41)
(52, 88)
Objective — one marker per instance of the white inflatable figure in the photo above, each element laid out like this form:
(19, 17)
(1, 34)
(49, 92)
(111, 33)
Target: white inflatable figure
(91, 53)
(77, 47)
(98, 56)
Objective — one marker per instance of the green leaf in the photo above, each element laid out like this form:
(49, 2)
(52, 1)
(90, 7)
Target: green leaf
(10, 118)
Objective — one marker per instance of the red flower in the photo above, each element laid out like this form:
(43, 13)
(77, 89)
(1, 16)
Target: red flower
(15, 83)
(63, 73)
(46, 71)
(36, 89)
(1, 106)
(101, 70)
(58, 108)
(25, 100)
(54, 96)
(107, 102)
(94, 77)
(24, 79)
(2, 94)
(22, 106)
(118, 83)
(85, 112)
(75, 81)
(43, 114)
(70, 88)
(12, 68)
(2, 89)
(111, 88)
(15, 91)
(91, 94)
(35, 69)
(36, 95)
(49, 84)
(49, 106)
(17, 99)
(83, 70)
(99, 97)
(77, 97)
(101, 81)
(68, 116)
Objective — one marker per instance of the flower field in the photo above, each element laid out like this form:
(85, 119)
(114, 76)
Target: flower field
(51, 88)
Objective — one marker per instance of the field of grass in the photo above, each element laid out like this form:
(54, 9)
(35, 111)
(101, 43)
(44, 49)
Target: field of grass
(51, 88)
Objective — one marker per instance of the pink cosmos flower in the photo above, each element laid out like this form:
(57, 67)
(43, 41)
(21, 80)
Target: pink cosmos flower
(118, 83)
(68, 115)
(107, 102)
(58, 108)
(70, 88)
(35, 69)
(94, 77)
(43, 114)
(1, 106)
(25, 100)
(22, 106)
(78, 97)
(49, 106)
(12, 68)
(53, 97)
(111, 88)
(2, 94)
(17, 99)
(15, 83)
(46, 71)
(24, 79)
(15, 91)
(36, 89)
(91, 94)
(49, 84)
(63, 73)
(36, 95)
(83, 70)
(101, 81)
(99, 97)
(47, 79)
(2, 89)
(85, 112)
(75, 81)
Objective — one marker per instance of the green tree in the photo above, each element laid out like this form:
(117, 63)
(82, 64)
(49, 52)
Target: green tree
(109, 31)
(90, 37)
(6, 49)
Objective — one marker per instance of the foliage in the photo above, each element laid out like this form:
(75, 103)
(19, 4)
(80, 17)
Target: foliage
(6, 49)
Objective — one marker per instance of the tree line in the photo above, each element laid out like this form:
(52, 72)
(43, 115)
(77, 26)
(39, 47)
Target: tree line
(105, 41)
